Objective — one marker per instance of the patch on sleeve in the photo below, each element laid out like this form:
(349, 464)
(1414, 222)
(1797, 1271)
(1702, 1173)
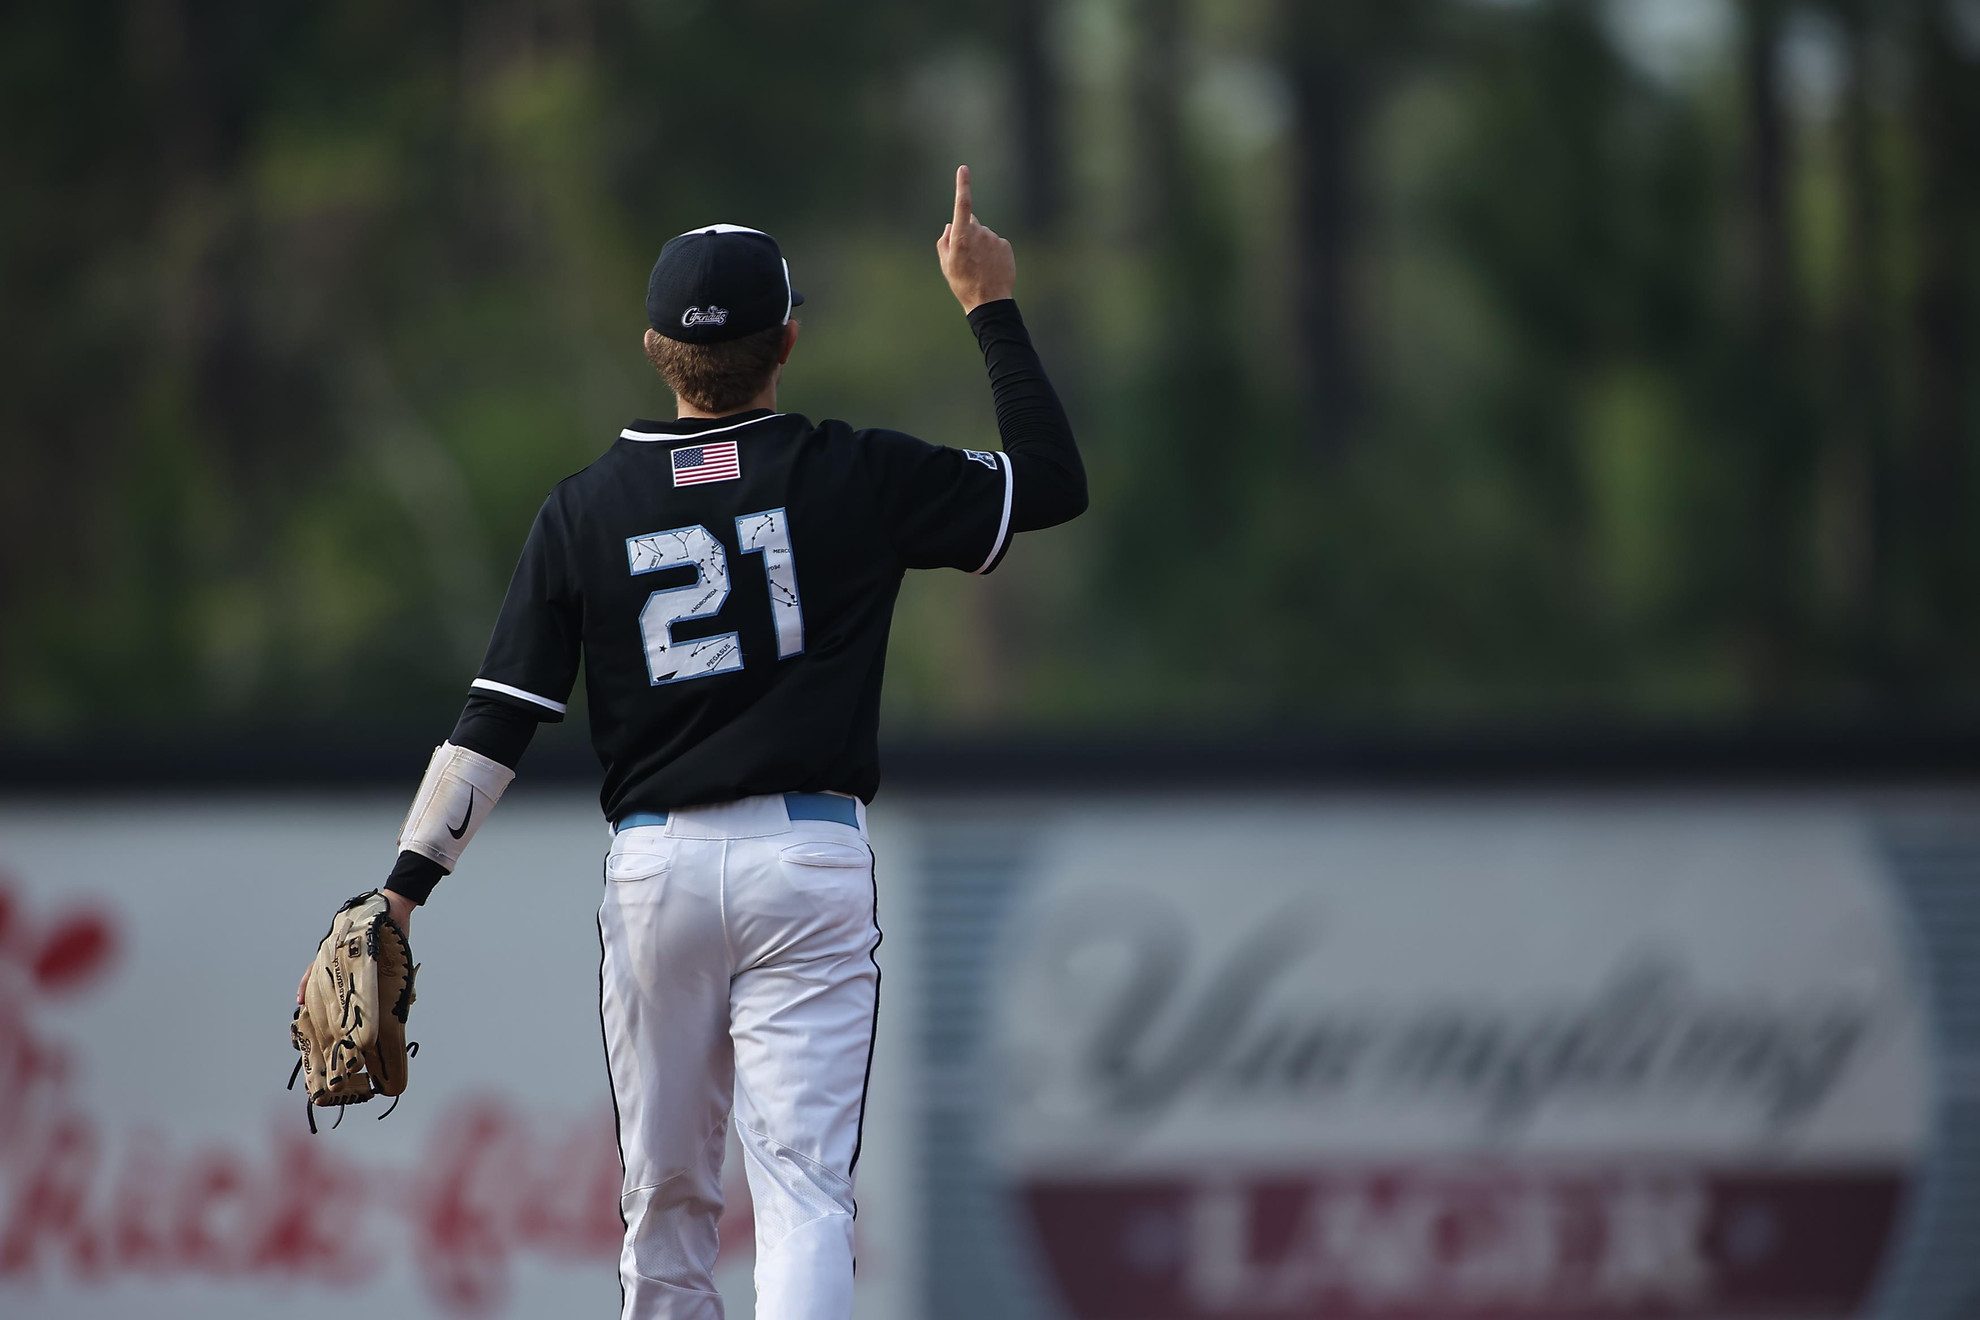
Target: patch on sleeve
(978, 456)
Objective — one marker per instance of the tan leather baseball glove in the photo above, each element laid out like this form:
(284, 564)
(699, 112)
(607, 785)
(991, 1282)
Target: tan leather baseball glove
(351, 1026)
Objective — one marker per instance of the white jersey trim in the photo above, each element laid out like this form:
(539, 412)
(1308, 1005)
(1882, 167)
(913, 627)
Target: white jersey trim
(1003, 523)
(507, 691)
(649, 437)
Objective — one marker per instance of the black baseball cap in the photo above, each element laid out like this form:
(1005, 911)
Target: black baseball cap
(719, 282)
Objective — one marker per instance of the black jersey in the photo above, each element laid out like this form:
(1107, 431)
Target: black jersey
(730, 584)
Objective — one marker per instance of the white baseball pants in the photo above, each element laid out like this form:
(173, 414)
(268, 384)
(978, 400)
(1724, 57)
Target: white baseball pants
(738, 967)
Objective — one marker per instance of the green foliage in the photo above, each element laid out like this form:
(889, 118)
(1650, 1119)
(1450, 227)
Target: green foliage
(310, 306)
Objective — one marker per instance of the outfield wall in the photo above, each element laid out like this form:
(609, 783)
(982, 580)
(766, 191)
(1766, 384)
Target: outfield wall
(1422, 1052)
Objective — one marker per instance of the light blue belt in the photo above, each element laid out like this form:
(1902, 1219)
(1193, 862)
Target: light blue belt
(798, 806)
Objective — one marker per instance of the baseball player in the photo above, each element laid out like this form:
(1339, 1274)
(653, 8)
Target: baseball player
(728, 580)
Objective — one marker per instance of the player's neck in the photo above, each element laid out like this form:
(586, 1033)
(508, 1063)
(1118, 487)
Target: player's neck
(683, 410)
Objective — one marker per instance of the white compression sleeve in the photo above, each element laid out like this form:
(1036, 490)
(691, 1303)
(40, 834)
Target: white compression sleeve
(454, 798)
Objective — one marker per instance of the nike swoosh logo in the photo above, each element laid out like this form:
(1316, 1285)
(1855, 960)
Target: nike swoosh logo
(457, 833)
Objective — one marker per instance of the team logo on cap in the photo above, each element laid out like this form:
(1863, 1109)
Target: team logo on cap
(705, 316)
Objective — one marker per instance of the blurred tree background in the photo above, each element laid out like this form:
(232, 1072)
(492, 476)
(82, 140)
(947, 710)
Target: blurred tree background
(1436, 360)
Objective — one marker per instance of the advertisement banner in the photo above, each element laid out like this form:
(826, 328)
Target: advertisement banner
(1328, 1058)
(151, 1161)
(1508, 1063)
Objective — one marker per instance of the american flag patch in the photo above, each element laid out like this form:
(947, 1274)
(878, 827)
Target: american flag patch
(698, 463)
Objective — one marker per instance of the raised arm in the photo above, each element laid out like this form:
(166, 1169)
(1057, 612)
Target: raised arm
(1048, 483)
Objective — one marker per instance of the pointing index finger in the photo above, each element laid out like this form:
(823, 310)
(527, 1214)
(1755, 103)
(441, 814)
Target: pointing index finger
(962, 196)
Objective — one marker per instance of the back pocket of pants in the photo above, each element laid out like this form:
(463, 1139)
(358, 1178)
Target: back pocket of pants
(631, 867)
(825, 864)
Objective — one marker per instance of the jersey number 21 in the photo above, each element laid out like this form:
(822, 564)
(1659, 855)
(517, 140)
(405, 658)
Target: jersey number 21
(668, 661)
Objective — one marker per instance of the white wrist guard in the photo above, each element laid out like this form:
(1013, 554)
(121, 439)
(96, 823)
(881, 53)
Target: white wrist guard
(454, 798)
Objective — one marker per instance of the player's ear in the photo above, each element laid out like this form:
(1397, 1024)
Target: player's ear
(790, 340)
